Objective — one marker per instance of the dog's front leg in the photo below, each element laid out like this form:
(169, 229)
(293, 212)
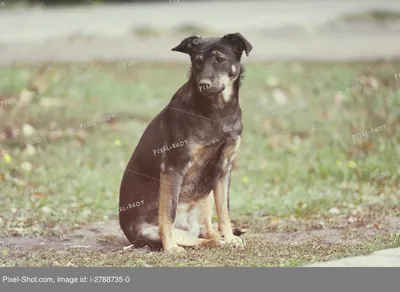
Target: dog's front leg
(170, 185)
(221, 196)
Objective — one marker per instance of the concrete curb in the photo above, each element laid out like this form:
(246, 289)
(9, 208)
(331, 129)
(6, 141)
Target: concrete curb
(381, 258)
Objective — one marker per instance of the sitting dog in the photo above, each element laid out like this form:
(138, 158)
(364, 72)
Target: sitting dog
(184, 159)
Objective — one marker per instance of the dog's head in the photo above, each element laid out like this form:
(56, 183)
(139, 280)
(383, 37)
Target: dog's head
(215, 61)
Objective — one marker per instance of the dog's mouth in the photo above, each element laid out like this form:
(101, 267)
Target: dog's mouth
(211, 91)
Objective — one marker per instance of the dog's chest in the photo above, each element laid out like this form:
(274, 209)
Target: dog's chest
(208, 164)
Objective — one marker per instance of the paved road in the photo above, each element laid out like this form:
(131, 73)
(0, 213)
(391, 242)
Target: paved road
(382, 258)
(277, 30)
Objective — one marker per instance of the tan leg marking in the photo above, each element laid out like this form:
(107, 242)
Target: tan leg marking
(206, 229)
(224, 221)
(184, 239)
(221, 195)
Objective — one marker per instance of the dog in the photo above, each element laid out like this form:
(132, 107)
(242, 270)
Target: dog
(183, 161)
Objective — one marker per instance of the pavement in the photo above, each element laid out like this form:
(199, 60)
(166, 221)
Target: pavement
(278, 30)
(382, 258)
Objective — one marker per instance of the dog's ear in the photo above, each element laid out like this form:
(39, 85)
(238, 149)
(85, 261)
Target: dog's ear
(239, 42)
(186, 45)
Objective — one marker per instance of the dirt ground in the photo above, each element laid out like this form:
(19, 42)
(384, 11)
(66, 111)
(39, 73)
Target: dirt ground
(107, 235)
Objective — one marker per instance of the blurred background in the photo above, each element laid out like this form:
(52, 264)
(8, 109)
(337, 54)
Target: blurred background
(319, 160)
(107, 30)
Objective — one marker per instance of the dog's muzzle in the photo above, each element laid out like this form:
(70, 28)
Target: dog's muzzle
(206, 87)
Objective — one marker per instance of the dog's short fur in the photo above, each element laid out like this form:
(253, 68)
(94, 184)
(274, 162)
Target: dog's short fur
(186, 154)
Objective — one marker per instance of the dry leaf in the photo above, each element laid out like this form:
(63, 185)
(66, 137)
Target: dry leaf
(29, 150)
(334, 211)
(56, 134)
(28, 130)
(26, 166)
(274, 220)
(39, 195)
(49, 102)
(351, 220)
(279, 96)
(25, 97)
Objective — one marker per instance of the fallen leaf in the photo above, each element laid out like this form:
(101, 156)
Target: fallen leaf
(351, 220)
(29, 150)
(128, 247)
(274, 222)
(46, 210)
(25, 97)
(39, 195)
(339, 97)
(26, 166)
(7, 158)
(334, 211)
(81, 135)
(56, 134)
(28, 130)
(50, 102)
(279, 96)
(351, 164)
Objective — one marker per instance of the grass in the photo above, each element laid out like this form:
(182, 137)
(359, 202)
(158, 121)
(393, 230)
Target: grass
(258, 253)
(300, 167)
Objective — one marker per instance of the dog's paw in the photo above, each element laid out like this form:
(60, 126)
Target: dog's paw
(212, 234)
(235, 241)
(215, 242)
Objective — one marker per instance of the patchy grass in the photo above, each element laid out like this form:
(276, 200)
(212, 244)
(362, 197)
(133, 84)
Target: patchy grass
(302, 165)
(259, 252)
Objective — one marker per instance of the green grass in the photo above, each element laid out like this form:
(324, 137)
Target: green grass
(289, 163)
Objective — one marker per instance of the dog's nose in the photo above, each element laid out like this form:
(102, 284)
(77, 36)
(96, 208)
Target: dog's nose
(205, 84)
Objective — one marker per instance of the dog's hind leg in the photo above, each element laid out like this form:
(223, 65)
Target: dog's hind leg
(150, 233)
(184, 239)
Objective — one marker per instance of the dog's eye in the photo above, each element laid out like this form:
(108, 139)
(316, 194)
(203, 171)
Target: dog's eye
(220, 60)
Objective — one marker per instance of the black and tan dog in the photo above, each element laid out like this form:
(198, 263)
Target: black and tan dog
(184, 159)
